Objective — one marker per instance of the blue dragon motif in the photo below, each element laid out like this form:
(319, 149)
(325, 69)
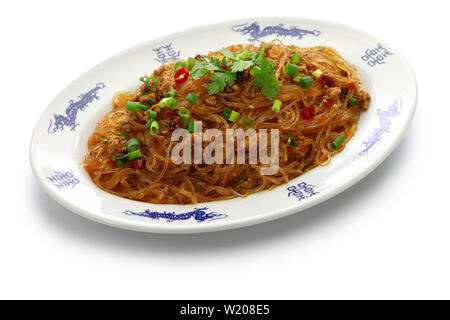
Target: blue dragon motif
(60, 121)
(255, 32)
(199, 215)
(384, 125)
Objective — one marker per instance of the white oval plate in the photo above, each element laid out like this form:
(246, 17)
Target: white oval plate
(60, 138)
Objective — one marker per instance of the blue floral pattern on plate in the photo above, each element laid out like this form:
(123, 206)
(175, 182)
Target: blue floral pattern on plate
(392, 111)
(199, 215)
(60, 121)
(256, 32)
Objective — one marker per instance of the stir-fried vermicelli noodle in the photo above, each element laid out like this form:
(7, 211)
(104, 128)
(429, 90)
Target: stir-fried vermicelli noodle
(311, 95)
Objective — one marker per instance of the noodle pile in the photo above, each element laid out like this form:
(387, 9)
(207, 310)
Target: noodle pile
(161, 181)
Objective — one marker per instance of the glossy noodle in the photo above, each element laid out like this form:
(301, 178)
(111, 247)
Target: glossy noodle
(315, 121)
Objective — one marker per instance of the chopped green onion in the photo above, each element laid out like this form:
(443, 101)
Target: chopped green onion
(151, 99)
(124, 157)
(185, 119)
(184, 114)
(291, 141)
(233, 116)
(134, 154)
(120, 162)
(183, 110)
(104, 140)
(352, 101)
(276, 106)
(152, 114)
(238, 182)
(226, 62)
(135, 106)
(248, 121)
(306, 82)
(296, 79)
(155, 80)
(179, 64)
(133, 144)
(227, 113)
(192, 98)
(244, 55)
(192, 127)
(147, 92)
(154, 128)
(190, 63)
(144, 107)
(338, 142)
(291, 69)
(318, 73)
(171, 93)
(146, 79)
(296, 59)
(149, 123)
(122, 134)
(167, 102)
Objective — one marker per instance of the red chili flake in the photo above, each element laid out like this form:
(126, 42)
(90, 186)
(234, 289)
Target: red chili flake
(308, 113)
(328, 102)
(352, 86)
(171, 113)
(173, 124)
(181, 75)
(139, 163)
(327, 80)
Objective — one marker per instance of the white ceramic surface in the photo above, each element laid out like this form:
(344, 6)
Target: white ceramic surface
(60, 138)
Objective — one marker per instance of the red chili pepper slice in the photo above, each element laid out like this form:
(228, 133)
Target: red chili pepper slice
(197, 57)
(327, 80)
(139, 163)
(308, 113)
(181, 75)
(171, 113)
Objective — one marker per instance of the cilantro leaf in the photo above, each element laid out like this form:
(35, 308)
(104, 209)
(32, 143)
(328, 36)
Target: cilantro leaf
(241, 65)
(263, 78)
(262, 71)
(198, 71)
(212, 63)
(270, 88)
(227, 53)
(201, 68)
(219, 80)
(256, 73)
(257, 56)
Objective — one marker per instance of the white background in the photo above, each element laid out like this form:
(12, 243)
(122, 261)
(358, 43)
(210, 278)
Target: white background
(386, 237)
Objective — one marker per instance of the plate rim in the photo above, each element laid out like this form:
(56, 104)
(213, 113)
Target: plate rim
(144, 226)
